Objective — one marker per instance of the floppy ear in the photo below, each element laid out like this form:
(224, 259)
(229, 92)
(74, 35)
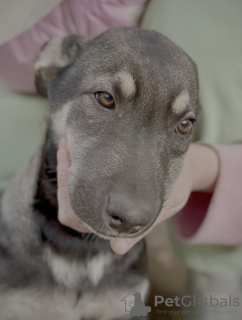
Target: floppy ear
(56, 54)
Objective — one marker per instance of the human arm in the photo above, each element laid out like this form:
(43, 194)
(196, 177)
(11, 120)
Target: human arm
(210, 173)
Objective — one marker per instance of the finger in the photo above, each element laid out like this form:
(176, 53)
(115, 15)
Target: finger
(72, 221)
(63, 156)
(66, 215)
(64, 206)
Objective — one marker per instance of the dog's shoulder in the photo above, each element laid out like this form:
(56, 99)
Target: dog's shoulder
(17, 227)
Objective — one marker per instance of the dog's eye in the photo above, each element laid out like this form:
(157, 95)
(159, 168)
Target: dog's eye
(105, 99)
(184, 127)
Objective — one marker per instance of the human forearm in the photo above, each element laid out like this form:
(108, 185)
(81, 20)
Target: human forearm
(204, 167)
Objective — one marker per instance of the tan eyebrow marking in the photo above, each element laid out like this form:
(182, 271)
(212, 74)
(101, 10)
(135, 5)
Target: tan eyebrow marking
(127, 83)
(179, 104)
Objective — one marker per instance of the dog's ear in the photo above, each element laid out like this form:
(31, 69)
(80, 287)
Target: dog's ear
(56, 54)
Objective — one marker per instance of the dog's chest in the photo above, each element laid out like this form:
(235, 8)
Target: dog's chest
(36, 304)
(77, 292)
(59, 304)
(76, 274)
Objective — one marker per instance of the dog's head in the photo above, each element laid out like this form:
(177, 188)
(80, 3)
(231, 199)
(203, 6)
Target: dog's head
(126, 101)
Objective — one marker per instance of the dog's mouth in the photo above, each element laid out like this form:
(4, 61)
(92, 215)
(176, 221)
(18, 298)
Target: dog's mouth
(108, 234)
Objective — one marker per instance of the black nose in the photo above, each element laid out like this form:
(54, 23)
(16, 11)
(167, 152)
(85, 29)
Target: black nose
(125, 216)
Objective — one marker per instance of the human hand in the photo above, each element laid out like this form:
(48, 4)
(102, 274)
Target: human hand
(199, 173)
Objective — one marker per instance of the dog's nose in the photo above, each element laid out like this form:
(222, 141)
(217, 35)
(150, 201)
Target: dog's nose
(124, 217)
(123, 225)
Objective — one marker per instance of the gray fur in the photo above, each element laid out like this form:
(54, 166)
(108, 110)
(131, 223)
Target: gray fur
(124, 163)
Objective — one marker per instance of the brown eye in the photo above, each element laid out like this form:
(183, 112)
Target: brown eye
(184, 127)
(105, 99)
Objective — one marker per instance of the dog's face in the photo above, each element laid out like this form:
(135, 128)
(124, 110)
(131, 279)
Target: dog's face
(126, 101)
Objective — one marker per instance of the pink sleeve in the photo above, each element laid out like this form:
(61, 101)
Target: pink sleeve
(216, 218)
(71, 16)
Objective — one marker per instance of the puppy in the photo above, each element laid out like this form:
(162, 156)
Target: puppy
(126, 101)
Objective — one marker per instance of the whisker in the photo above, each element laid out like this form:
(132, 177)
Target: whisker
(49, 171)
(50, 180)
(50, 167)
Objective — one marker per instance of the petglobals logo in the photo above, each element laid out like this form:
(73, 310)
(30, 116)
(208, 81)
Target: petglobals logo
(185, 305)
(134, 306)
(194, 301)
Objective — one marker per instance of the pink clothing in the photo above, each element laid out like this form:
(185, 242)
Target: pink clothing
(70, 16)
(216, 218)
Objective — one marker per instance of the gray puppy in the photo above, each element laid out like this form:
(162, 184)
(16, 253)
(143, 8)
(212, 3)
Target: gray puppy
(126, 101)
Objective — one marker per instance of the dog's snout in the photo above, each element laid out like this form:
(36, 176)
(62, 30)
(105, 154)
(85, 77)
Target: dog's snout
(124, 217)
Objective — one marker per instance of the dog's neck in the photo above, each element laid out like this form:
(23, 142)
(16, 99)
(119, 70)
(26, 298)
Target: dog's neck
(46, 193)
